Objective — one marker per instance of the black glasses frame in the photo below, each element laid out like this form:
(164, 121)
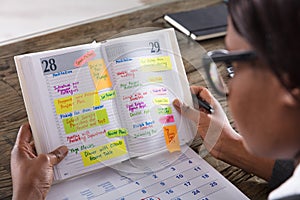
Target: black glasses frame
(227, 57)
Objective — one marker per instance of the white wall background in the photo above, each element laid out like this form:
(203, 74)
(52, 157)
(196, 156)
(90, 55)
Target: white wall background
(24, 18)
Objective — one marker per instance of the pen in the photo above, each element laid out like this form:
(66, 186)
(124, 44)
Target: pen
(203, 104)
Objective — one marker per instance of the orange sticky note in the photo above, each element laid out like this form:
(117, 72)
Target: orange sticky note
(99, 74)
(171, 137)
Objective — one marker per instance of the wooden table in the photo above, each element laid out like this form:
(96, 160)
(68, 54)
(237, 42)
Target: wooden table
(13, 112)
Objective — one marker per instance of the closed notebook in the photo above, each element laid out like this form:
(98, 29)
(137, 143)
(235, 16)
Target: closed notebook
(201, 24)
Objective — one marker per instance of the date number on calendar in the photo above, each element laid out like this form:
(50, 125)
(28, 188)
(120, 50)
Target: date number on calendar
(49, 65)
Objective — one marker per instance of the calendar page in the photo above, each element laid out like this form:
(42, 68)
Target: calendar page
(177, 176)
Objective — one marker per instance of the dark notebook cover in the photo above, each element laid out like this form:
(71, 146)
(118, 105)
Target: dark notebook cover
(200, 24)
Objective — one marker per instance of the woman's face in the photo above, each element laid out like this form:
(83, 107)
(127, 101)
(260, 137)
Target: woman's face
(256, 102)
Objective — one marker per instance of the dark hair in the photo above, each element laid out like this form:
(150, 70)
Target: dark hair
(272, 27)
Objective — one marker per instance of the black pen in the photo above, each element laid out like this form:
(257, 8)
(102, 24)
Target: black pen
(203, 104)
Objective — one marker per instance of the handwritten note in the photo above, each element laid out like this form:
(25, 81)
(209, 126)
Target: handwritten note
(130, 85)
(145, 134)
(85, 58)
(81, 148)
(104, 152)
(161, 100)
(144, 125)
(84, 137)
(108, 95)
(164, 110)
(155, 79)
(135, 96)
(171, 137)
(85, 121)
(76, 102)
(125, 74)
(162, 63)
(117, 133)
(70, 88)
(136, 106)
(159, 91)
(99, 74)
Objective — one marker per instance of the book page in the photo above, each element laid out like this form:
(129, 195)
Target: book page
(74, 100)
(181, 176)
(146, 70)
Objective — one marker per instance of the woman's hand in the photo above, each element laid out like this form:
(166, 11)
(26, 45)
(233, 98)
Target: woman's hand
(217, 134)
(32, 175)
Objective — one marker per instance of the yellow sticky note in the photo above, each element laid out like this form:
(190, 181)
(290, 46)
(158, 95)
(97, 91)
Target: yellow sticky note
(171, 137)
(162, 63)
(108, 95)
(102, 117)
(76, 102)
(105, 152)
(85, 121)
(79, 122)
(155, 79)
(99, 74)
(164, 110)
(161, 100)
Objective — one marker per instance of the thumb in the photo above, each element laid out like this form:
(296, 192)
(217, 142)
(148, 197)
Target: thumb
(57, 155)
(187, 111)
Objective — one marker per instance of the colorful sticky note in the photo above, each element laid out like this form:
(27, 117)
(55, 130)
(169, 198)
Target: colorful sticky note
(117, 133)
(166, 119)
(85, 121)
(102, 117)
(171, 137)
(76, 102)
(155, 79)
(108, 95)
(105, 152)
(164, 110)
(99, 74)
(161, 100)
(155, 64)
(80, 122)
(85, 58)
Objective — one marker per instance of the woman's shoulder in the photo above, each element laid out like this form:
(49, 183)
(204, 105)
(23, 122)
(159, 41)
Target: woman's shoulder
(289, 189)
(293, 197)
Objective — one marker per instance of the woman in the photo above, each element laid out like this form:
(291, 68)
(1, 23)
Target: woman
(264, 98)
(264, 94)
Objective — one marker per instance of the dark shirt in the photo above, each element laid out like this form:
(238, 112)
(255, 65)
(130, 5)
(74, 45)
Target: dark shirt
(283, 169)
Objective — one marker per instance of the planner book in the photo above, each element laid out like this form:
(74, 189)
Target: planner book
(106, 101)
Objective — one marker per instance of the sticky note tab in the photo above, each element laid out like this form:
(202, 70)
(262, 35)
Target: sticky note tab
(155, 79)
(85, 58)
(164, 110)
(102, 117)
(99, 74)
(76, 102)
(116, 133)
(105, 152)
(161, 100)
(108, 95)
(85, 121)
(162, 63)
(166, 119)
(171, 137)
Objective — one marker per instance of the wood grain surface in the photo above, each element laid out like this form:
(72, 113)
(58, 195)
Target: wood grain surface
(13, 112)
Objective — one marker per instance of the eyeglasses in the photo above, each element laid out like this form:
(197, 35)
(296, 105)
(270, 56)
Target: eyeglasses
(218, 67)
